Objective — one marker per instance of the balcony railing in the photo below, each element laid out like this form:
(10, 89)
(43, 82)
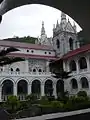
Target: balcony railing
(83, 70)
(4, 73)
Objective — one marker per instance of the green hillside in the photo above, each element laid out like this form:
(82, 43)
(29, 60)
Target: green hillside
(27, 39)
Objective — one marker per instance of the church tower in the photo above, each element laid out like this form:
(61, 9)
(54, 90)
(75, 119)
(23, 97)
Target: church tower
(43, 40)
(64, 36)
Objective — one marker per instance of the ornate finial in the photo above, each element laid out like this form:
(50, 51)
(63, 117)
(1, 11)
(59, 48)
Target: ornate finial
(53, 26)
(57, 25)
(42, 29)
(63, 16)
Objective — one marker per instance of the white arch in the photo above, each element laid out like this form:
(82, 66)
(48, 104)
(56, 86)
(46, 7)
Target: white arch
(49, 78)
(73, 78)
(7, 78)
(36, 78)
(80, 59)
(22, 78)
(82, 77)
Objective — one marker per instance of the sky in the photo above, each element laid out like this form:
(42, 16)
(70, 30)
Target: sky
(27, 21)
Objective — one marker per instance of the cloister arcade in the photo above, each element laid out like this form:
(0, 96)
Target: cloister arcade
(81, 63)
(49, 87)
(22, 88)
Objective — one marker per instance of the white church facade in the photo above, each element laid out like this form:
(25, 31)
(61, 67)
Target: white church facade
(33, 75)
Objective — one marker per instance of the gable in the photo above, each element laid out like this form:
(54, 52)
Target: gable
(69, 28)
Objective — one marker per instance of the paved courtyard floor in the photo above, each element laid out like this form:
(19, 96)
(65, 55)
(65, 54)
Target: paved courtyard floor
(57, 115)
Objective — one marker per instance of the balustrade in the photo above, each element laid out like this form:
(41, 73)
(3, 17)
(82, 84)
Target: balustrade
(22, 97)
(24, 73)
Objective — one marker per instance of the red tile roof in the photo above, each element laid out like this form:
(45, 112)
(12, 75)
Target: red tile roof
(32, 56)
(25, 45)
(82, 49)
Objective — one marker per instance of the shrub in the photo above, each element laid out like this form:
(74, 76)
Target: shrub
(12, 103)
(82, 93)
(32, 98)
(51, 98)
(44, 100)
(57, 104)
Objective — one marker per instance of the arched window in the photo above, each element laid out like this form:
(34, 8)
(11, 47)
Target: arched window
(34, 70)
(36, 87)
(74, 84)
(59, 87)
(17, 70)
(84, 82)
(72, 66)
(71, 43)
(22, 87)
(58, 44)
(40, 70)
(48, 88)
(7, 88)
(82, 63)
(11, 70)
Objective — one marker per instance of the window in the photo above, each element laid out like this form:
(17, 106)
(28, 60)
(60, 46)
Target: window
(40, 70)
(34, 70)
(32, 51)
(17, 70)
(58, 44)
(49, 52)
(11, 69)
(74, 84)
(72, 66)
(84, 82)
(27, 50)
(71, 43)
(45, 52)
(82, 63)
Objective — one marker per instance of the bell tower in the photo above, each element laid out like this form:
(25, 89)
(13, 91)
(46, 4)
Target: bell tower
(64, 36)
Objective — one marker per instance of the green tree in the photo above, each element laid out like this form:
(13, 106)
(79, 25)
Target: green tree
(13, 103)
(32, 98)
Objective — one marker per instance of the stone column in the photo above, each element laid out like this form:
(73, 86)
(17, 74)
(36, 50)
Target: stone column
(42, 90)
(29, 89)
(15, 90)
(68, 46)
(64, 66)
(77, 66)
(54, 90)
(68, 69)
(88, 64)
(79, 86)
